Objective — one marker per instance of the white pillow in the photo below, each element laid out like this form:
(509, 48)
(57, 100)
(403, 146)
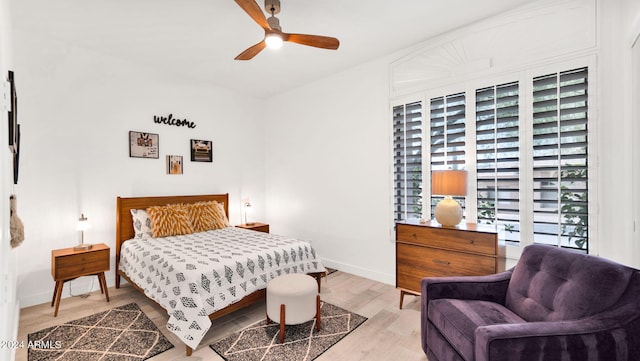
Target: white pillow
(141, 223)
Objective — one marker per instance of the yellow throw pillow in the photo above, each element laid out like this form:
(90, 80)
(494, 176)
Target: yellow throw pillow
(223, 214)
(169, 220)
(205, 216)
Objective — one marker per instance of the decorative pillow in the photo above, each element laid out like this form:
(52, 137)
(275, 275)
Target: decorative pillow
(223, 214)
(205, 216)
(141, 223)
(169, 220)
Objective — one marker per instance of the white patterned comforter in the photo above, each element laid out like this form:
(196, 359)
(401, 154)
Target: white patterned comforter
(194, 275)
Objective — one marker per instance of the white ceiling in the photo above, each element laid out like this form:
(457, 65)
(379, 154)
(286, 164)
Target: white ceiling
(199, 38)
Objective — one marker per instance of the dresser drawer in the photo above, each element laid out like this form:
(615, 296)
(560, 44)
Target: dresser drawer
(415, 262)
(447, 238)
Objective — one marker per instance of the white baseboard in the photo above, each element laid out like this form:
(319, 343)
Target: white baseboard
(10, 313)
(389, 279)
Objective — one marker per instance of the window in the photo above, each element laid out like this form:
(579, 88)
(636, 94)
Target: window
(530, 139)
(560, 171)
(498, 157)
(407, 161)
(447, 136)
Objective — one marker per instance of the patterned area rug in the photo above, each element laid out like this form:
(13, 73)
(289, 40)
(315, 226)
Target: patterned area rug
(302, 342)
(122, 333)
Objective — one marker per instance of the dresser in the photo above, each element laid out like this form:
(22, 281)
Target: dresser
(428, 250)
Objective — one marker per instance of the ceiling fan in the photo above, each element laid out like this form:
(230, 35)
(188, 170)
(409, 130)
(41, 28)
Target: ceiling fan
(273, 35)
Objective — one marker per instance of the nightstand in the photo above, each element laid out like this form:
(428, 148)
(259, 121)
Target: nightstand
(255, 226)
(68, 264)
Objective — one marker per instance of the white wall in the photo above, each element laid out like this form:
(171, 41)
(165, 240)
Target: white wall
(633, 66)
(77, 107)
(328, 161)
(328, 143)
(616, 207)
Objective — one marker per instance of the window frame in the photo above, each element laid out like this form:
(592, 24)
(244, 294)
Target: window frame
(525, 78)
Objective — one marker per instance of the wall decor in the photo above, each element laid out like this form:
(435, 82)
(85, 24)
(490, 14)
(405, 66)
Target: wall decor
(201, 150)
(13, 112)
(174, 164)
(14, 127)
(143, 145)
(170, 120)
(16, 155)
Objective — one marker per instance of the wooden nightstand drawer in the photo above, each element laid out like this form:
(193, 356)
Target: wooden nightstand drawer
(447, 238)
(67, 263)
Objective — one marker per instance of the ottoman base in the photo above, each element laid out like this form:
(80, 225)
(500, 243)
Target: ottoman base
(283, 313)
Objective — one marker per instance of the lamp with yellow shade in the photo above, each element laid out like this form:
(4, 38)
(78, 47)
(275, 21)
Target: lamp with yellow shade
(449, 183)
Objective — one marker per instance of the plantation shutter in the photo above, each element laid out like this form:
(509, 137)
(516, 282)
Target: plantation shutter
(560, 171)
(407, 159)
(447, 136)
(498, 157)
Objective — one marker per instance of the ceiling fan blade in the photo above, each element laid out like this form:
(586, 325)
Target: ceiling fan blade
(252, 51)
(254, 11)
(317, 41)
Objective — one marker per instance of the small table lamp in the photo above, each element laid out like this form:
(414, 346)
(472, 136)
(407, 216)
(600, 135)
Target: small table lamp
(448, 183)
(83, 225)
(246, 209)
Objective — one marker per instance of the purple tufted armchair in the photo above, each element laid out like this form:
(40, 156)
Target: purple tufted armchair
(554, 305)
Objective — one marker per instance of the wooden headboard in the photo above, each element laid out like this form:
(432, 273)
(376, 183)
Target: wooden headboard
(124, 221)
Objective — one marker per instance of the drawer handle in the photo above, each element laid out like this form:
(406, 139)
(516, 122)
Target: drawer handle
(415, 236)
(441, 262)
(471, 241)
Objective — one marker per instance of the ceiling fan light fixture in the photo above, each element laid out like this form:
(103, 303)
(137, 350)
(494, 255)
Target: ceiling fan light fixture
(273, 40)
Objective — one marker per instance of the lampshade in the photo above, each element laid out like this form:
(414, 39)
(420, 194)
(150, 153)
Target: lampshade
(273, 40)
(246, 210)
(449, 182)
(83, 223)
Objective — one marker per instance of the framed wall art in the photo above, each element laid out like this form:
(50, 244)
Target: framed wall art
(174, 164)
(13, 113)
(201, 150)
(143, 145)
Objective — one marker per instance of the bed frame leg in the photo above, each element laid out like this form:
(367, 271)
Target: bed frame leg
(189, 351)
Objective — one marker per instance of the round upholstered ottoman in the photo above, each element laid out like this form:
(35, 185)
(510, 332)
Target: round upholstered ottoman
(292, 299)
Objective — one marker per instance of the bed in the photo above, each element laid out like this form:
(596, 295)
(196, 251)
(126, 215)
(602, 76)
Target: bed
(205, 275)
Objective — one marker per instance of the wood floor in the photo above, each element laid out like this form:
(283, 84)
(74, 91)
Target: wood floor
(388, 334)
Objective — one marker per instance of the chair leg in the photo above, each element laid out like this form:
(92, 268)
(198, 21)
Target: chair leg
(318, 313)
(282, 318)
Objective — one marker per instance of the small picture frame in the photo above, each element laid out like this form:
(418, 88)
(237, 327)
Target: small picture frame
(174, 164)
(201, 150)
(143, 145)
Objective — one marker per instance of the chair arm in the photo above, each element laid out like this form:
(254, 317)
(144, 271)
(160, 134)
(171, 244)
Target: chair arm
(487, 288)
(613, 335)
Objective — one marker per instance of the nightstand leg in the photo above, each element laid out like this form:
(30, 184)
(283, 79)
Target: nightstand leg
(55, 292)
(103, 285)
(100, 283)
(59, 285)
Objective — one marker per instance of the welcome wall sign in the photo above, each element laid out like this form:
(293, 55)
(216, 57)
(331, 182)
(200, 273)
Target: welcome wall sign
(170, 120)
